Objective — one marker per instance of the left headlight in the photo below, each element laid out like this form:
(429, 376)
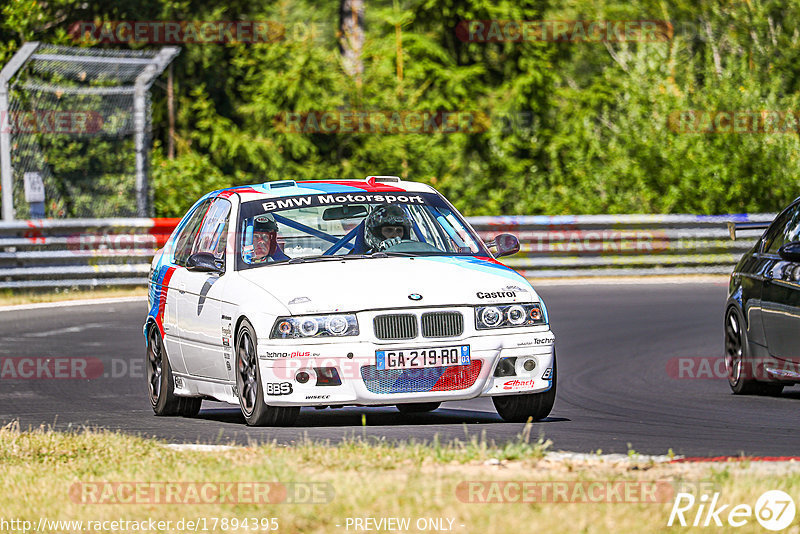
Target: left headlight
(315, 326)
(509, 315)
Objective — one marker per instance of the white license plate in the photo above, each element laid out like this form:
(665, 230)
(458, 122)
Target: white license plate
(421, 358)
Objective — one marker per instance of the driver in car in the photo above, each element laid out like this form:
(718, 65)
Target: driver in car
(385, 227)
(265, 240)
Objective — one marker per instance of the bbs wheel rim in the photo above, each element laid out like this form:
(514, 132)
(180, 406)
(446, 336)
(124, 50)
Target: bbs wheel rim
(246, 372)
(154, 365)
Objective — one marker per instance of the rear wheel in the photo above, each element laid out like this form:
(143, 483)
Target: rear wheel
(536, 406)
(737, 360)
(418, 407)
(249, 385)
(161, 382)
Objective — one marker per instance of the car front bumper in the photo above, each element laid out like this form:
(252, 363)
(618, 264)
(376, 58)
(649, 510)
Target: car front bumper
(362, 384)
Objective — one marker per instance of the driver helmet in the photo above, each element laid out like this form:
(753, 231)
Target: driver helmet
(382, 216)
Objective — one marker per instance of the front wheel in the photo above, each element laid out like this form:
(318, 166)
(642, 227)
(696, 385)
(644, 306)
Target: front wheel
(536, 406)
(249, 385)
(162, 383)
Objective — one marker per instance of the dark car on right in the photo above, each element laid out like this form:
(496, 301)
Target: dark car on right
(762, 313)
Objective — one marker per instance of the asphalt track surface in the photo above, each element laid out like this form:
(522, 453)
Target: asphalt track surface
(615, 393)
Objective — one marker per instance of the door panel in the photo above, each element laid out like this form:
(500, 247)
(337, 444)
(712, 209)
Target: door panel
(200, 312)
(171, 337)
(752, 287)
(781, 311)
(200, 303)
(781, 292)
(181, 248)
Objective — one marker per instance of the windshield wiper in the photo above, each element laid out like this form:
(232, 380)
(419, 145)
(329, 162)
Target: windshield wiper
(310, 259)
(304, 259)
(398, 254)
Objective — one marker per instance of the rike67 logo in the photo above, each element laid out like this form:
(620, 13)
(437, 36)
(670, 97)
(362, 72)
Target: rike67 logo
(774, 510)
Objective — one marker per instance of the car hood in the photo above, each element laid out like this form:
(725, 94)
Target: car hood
(373, 283)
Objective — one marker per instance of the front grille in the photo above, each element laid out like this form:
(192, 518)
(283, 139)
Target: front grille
(450, 378)
(442, 324)
(395, 326)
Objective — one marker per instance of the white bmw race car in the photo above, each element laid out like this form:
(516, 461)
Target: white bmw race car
(341, 292)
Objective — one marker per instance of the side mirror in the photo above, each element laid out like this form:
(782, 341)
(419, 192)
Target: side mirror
(204, 262)
(790, 252)
(506, 245)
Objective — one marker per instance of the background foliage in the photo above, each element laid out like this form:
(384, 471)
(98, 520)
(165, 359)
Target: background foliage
(592, 134)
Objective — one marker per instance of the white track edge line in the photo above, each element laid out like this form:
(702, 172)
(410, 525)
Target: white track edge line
(62, 303)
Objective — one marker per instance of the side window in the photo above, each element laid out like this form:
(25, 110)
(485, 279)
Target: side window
(785, 229)
(219, 251)
(185, 240)
(424, 226)
(457, 232)
(213, 233)
(432, 232)
(792, 232)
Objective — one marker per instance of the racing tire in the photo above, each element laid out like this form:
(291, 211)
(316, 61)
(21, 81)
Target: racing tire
(737, 360)
(249, 385)
(520, 408)
(161, 383)
(418, 407)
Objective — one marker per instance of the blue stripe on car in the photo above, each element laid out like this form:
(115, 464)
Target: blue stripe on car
(477, 264)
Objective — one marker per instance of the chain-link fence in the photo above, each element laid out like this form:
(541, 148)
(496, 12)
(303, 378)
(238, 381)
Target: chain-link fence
(75, 131)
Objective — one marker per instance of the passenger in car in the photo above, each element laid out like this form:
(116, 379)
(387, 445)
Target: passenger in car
(265, 240)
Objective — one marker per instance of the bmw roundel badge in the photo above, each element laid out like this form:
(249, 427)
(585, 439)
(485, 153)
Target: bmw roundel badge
(415, 296)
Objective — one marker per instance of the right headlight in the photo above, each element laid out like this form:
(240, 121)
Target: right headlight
(509, 315)
(315, 326)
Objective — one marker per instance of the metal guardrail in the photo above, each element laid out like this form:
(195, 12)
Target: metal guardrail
(117, 252)
(622, 245)
(54, 253)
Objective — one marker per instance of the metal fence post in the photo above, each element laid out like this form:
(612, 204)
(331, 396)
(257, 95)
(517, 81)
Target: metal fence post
(6, 172)
(140, 147)
(142, 124)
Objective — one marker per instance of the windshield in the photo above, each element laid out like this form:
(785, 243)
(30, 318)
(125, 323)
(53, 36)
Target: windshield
(350, 226)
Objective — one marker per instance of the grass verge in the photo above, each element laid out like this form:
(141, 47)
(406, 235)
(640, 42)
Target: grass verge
(46, 474)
